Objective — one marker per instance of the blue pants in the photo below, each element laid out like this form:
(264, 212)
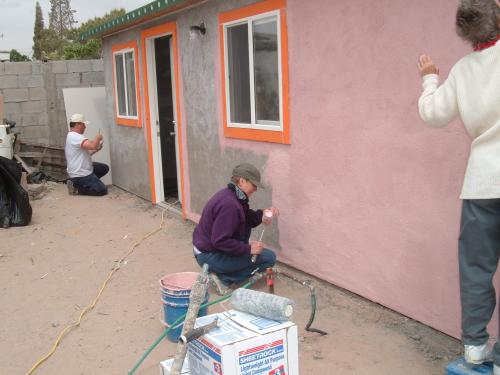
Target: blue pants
(236, 268)
(479, 252)
(91, 184)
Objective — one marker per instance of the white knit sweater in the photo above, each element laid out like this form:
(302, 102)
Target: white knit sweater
(471, 91)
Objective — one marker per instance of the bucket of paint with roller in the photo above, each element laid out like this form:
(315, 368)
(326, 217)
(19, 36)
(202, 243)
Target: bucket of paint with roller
(175, 291)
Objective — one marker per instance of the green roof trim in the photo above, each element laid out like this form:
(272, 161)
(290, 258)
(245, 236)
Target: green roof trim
(154, 8)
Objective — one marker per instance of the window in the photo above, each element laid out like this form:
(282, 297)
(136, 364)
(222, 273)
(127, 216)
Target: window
(127, 104)
(255, 72)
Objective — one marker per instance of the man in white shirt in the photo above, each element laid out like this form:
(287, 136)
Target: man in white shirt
(84, 175)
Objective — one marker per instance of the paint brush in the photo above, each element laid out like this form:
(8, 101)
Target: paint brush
(254, 257)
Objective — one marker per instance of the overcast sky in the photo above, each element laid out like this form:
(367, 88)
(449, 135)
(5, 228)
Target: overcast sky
(17, 18)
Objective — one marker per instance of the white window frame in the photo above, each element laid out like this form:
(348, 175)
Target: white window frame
(123, 52)
(271, 125)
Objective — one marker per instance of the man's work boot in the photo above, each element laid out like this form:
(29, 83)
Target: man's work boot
(72, 190)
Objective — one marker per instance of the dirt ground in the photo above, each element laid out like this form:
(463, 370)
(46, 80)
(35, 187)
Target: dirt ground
(53, 268)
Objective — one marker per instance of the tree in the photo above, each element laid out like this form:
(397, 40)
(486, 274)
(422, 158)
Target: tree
(61, 18)
(16, 56)
(90, 49)
(51, 45)
(37, 36)
(81, 51)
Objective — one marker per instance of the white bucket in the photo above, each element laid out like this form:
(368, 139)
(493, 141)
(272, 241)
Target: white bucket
(6, 142)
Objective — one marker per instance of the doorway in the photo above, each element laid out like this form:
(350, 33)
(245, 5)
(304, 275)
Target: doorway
(162, 115)
(166, 119)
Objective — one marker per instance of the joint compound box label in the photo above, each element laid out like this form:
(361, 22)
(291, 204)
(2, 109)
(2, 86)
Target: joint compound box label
(166, 367)
(244, 344)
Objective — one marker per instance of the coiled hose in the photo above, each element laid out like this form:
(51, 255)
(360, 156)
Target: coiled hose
(307, 283)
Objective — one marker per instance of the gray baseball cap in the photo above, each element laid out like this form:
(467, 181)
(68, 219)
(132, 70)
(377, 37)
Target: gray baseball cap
(250, 172)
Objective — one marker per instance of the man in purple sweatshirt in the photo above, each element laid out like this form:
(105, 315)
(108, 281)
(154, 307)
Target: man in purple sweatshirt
(221, 238)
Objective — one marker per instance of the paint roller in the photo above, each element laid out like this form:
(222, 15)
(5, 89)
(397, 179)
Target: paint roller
(262, 304)
(269, 215)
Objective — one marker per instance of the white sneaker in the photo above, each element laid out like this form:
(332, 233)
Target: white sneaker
(496, 370)
(477, 354)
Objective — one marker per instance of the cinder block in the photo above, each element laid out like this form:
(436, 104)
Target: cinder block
(36, 67)
(22, 67)
(15, 95)
(93, 78)
(10, 108)
(29, 120)
(79, 66)
(61, 117)
(59, 67)
(34, 106)
(8, 82)
(98, 65)
(39, 119)
(66, 80)
(40, 134)
(30, 80)
(37, 93)
(43, 118)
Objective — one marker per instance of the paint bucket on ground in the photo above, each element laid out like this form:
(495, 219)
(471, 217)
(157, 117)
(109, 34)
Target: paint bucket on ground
(175, 291)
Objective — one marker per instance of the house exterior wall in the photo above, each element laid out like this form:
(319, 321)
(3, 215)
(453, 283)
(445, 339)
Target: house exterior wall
(128, 147)
(368, 194)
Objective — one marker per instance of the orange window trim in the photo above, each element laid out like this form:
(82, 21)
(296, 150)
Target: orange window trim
(134, 122)
(157, 31)
(282, 136)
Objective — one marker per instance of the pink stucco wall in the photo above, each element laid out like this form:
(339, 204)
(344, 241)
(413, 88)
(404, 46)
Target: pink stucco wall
(371, 192)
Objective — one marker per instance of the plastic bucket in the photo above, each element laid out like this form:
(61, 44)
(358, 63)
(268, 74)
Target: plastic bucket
(175, 291)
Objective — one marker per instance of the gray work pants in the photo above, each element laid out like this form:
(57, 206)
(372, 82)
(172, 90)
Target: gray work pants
(479, 251)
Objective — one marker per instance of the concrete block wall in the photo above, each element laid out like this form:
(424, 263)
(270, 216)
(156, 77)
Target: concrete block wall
(33, 95)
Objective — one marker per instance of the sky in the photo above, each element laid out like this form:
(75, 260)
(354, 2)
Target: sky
(18, 18)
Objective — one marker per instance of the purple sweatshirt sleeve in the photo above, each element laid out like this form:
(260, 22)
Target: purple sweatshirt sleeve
(254, 218)
(225, 224)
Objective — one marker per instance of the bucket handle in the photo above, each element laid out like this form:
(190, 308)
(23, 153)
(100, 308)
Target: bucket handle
(166, 324)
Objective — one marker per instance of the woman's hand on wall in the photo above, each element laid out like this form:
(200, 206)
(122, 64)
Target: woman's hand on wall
(426, 66)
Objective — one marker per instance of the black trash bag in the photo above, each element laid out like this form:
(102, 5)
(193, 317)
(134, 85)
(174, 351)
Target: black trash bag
(15, 208)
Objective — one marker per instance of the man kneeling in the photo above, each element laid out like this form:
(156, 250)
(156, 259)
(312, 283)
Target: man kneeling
(221, 238)
(84, 175)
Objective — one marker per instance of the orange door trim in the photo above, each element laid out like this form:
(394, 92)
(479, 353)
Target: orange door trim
(157, 31)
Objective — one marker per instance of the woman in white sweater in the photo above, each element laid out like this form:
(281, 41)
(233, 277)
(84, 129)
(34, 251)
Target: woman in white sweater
(472, 92)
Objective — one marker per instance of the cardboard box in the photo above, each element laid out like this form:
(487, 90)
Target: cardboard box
(166, 366)
(245, 344)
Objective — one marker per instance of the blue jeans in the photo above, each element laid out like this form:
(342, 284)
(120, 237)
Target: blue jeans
(236, 268)
(91, 184)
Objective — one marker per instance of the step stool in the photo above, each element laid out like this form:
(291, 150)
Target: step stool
(460, 367)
